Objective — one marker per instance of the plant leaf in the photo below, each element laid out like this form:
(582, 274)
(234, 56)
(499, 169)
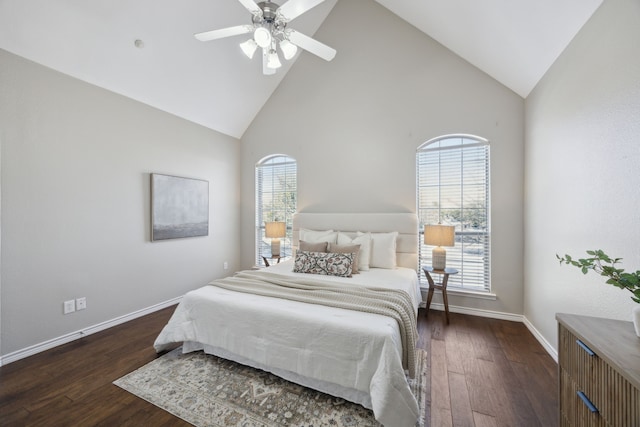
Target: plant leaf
(615, 276)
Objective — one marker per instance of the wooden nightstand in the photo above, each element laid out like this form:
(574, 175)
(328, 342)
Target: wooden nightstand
(442, 286)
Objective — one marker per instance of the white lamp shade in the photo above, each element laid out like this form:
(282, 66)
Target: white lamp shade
(273, 61)
(439, 235)
(288, 49)
(275, 230)
(249, 47)
(265, 69)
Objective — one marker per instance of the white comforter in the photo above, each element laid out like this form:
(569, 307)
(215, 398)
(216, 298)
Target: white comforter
(354, 355)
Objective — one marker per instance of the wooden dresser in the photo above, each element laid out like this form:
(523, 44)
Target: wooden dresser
(599, 372)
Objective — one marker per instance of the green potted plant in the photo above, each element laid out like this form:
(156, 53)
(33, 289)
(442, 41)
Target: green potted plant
(602, 264)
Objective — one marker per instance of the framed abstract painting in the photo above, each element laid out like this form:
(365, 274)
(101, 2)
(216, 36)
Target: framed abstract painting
(179, 207)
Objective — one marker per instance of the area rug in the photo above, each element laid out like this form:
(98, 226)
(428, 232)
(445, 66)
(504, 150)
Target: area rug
(205, 390)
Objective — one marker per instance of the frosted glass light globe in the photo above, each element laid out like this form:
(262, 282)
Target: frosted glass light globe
(262, 36)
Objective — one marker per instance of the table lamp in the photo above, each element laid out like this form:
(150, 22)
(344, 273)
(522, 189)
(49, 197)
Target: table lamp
(438, 236)
(274, 231)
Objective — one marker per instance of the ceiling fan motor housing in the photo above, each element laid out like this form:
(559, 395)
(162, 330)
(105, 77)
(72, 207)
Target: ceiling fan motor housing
(269, 16)
(269, 10)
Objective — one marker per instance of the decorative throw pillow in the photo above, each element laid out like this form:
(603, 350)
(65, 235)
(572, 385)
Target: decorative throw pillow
(325, 263)
(364, 240)
(346, 249)
(312, 247)
(314, 236)
(383, 249)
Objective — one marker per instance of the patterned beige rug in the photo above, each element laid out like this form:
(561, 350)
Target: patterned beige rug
(205, 390)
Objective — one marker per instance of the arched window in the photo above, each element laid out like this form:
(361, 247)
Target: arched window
(453, 189)
(276, 198)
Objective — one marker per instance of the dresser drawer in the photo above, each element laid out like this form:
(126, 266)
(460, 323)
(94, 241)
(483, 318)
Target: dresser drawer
(598, 372)
(583, 366)
(574, 410)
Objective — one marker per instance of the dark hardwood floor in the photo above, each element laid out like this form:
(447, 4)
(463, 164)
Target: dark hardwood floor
(483, 372)
(487, 372)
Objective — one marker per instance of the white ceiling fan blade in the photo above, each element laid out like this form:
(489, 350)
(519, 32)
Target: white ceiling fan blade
(310, 45)
(224, 32)
(252, 7)
(294, 8)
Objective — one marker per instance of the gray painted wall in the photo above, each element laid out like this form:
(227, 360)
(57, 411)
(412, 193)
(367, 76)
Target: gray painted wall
(582, 156)
(75, 164)
(354, 126)
(75, 171)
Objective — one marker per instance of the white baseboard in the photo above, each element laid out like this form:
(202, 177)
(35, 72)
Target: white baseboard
(47, 345)
(476, 312)
(547, 346)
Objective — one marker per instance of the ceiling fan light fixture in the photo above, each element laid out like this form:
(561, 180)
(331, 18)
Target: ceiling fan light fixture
(249, 47)
(273, 61)
(288, 49)
(266, 70)
(270, 32)
(262, 37)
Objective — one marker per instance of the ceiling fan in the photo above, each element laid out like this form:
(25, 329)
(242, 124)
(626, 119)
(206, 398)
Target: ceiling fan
(269, 28)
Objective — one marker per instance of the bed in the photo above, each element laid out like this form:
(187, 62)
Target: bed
(355, 355)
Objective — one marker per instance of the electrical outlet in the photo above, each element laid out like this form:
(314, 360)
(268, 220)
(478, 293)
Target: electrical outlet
(69, 306)
(225, 265)
(81, 303)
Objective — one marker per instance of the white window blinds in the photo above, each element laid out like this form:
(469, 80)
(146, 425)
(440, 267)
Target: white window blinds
(453, 189)
(276, 197)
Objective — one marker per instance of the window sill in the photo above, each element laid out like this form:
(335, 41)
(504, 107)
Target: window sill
(464, 293)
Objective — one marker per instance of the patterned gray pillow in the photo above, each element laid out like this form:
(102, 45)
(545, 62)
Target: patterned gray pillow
(326, 263)
(346, 249)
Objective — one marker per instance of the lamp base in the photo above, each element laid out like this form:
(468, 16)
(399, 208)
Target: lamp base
(438, 258)
(275, 248)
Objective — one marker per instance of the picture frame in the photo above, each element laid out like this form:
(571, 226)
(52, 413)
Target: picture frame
(179, 207)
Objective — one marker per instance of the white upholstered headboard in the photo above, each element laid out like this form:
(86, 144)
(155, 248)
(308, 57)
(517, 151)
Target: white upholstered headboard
(406, 224)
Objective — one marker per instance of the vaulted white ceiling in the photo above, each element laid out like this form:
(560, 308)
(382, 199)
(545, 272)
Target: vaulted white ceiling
(215, 85)
(514, 41)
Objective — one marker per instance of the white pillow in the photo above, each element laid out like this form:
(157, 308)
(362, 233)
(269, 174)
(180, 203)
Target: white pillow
(313, 236)
(383, 249)
(364, 240)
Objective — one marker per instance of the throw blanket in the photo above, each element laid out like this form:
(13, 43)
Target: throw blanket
(396, 304)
